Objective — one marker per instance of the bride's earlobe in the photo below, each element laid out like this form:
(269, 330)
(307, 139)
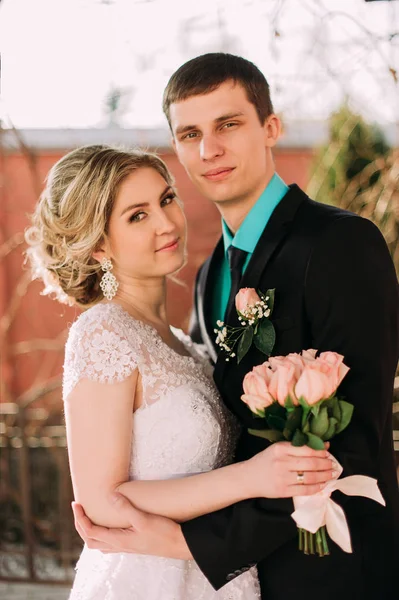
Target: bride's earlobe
(101, 251)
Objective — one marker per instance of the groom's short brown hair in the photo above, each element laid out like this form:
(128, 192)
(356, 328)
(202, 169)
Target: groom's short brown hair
(207, 72)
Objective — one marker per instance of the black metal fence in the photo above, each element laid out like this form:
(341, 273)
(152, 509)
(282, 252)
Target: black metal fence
(38, 541)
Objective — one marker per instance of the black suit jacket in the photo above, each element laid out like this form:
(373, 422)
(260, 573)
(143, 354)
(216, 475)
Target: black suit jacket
(336, 289)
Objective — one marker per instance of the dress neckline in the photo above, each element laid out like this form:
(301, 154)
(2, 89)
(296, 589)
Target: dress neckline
(183, 338)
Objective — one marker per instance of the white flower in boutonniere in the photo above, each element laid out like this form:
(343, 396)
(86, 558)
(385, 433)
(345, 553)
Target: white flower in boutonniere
(254, 310)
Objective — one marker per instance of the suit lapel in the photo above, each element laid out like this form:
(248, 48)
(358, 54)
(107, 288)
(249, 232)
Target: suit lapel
(205, 298)
(273, 235)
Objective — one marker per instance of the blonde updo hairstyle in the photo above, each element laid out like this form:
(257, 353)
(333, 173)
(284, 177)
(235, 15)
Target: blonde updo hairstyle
(72, 216)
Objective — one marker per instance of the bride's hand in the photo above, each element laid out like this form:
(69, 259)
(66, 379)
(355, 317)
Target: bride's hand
(283, 471)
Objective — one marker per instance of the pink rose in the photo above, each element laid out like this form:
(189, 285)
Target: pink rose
(309, 356)
(256, 388)
(276, 361)
(313, 385)
(298, 362)
(245, 299)
(293, 359)
(256, 382)
(257, 404)
(336, 368)
(282, 383)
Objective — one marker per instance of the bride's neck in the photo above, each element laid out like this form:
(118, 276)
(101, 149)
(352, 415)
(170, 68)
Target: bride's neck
(145, 301)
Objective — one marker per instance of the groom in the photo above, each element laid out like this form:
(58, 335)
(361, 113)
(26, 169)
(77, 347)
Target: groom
(336, 290)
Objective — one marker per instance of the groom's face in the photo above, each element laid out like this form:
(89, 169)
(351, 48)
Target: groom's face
(222, 144)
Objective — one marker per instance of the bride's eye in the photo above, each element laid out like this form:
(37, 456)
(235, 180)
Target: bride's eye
(136, 217)
(168, 199)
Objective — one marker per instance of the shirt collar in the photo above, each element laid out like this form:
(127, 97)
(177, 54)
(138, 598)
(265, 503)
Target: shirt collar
(247, 236)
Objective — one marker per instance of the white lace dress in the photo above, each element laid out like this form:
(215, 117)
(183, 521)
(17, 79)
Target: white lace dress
(182, 428)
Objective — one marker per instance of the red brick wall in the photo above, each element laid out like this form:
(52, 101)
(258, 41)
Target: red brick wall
(43, 321)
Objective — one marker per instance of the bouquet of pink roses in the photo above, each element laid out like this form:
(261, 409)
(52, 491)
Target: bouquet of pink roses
(295, 395)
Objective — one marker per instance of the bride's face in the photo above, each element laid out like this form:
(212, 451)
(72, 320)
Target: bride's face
(147, 228)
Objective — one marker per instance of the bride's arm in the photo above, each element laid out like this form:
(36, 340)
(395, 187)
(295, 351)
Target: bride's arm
(99, 430)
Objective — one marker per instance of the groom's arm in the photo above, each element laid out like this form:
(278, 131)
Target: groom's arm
(230, 541)
(352, 300)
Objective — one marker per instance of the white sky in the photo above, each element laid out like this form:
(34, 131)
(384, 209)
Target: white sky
(60, 58)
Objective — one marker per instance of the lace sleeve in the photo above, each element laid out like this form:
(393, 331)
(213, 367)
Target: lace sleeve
(97, 349)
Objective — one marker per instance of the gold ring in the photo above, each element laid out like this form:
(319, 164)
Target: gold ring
(300, 478)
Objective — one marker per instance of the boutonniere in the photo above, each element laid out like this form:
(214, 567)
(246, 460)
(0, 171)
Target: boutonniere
(254, 310)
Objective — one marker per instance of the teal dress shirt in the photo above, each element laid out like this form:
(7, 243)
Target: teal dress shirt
(246, 238)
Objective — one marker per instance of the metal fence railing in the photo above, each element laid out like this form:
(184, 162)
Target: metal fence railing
(38, 541)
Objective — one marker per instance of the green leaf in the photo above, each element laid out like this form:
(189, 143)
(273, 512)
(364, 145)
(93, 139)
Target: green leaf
(299, 439)
(294, 419)
(276, 416)
(319, 424)
(276, 409)
(270, 303)
(265, 337)
(315, 442)
(287, 433)
(289, 404)
(346, 415)
(304, 404)
(268, 434)
(245, 343)
(315, 409)
(328, 403)
(305, 411)
(336, 410)
(276, 422)
(331, 429)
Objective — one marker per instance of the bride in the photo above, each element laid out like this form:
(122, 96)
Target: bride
(143, 416)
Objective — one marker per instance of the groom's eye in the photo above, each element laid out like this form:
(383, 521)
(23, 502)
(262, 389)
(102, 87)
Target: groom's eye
(189, 136)
(228, 125)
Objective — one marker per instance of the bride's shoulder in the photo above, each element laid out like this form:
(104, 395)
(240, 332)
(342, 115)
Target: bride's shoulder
(105, 324)
(100, 347)
(109, 316)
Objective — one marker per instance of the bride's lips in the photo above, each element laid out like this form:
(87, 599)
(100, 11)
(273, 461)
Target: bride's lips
(169, 246)
(218, 174)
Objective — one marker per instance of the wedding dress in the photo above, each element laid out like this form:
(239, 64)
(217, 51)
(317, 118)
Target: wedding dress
(181, 428)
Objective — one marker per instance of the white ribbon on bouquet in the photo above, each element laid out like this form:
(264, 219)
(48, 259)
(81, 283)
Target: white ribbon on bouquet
(312, 512)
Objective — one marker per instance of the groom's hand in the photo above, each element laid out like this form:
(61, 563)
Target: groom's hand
(147, 534)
